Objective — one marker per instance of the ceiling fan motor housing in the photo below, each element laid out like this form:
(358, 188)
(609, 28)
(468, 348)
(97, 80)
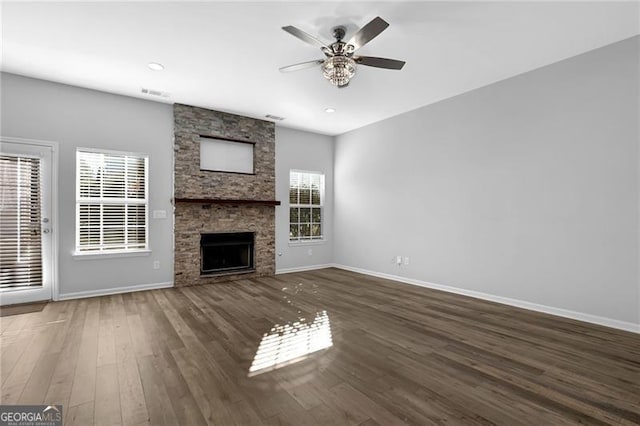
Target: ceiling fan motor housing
(341, 48)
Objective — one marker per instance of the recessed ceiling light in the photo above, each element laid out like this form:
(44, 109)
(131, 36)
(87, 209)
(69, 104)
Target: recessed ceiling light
(330, 110)
(155, 66)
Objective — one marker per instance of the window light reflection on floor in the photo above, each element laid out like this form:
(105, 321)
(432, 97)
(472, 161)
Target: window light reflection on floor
(289, 343)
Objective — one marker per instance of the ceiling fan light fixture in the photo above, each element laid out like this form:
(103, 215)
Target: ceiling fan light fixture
(339, 70)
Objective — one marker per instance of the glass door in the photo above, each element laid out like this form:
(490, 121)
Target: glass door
(26, 242)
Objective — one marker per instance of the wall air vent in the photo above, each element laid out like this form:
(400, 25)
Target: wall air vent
(154, 92)
(274, 117)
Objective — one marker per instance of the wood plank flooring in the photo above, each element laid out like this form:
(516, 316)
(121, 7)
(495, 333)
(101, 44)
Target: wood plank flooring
(399, 355)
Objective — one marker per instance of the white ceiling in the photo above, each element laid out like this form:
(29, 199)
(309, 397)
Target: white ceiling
(225, 56)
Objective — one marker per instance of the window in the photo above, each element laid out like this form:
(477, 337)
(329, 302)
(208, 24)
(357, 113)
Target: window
(306, 194)
(111, 201)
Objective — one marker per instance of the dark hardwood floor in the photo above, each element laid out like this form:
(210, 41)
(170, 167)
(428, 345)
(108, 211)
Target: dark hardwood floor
(396, 354)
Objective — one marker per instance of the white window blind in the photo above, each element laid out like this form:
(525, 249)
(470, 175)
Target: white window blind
(111, 201)
(20, 210)
(306, 193)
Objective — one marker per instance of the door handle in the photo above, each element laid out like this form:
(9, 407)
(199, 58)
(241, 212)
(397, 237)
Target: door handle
(46, 230)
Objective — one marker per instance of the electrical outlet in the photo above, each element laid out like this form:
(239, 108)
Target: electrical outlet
(399, 260)
(156, 264)
(406, 260)
(310, 252)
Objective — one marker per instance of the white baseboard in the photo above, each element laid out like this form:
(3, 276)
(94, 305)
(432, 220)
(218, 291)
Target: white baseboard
(303, 268)
(594, 319)
(117, 290)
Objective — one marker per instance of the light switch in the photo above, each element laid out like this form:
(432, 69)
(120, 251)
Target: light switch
(159, 214)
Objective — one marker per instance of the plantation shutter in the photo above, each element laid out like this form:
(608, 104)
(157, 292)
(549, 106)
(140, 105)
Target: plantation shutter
(111, 202)
(20, 211)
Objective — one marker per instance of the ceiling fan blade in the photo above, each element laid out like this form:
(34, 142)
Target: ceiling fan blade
(371, 61)
(301, 66)
(307, 38)
(368, 32)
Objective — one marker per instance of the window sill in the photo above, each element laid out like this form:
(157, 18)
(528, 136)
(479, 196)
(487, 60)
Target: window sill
(111, 255)
(307, 243)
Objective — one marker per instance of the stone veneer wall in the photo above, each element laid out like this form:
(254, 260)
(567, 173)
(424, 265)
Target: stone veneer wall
(190, 182)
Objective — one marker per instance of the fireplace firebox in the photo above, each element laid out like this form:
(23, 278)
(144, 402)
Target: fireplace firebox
(226, 252)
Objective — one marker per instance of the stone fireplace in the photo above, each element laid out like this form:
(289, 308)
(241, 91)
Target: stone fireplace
(217, 214)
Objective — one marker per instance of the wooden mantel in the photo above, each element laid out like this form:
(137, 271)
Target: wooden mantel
(226, 201)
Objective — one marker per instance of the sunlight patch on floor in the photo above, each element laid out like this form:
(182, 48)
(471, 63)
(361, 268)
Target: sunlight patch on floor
(292, 342)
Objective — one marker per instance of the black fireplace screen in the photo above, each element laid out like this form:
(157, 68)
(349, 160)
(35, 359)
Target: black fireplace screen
(226, 252)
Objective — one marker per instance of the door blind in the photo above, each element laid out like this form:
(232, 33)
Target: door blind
(20, 227)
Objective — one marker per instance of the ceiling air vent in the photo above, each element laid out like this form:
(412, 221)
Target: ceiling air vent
(274, 117)
(154, 92)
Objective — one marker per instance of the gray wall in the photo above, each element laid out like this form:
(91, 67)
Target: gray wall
(76, 117)
(300, 150)
(525, 189)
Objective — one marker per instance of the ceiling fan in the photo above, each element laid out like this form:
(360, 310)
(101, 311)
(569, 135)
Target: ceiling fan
(340, 63)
